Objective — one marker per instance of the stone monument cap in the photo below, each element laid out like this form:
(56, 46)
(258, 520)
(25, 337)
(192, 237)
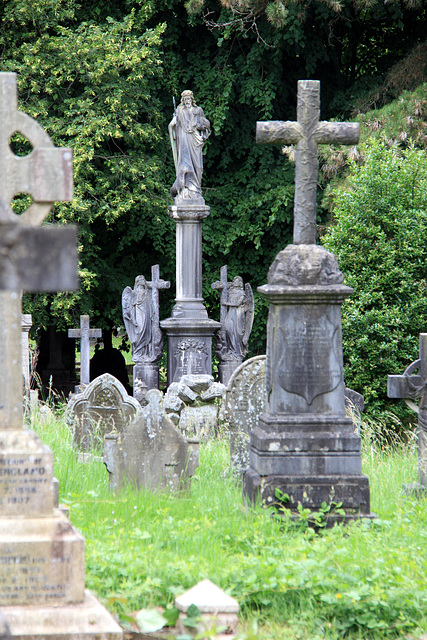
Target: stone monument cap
(208, 598)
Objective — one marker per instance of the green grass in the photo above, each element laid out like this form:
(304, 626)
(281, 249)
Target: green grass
(366, 580)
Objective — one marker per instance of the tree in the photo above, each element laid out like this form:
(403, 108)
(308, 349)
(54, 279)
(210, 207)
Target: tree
(378, 236)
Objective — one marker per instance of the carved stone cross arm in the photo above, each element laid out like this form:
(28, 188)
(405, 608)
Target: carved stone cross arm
(307, 133)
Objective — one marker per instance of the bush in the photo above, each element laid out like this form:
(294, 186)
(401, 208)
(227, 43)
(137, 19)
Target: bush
(379, 237)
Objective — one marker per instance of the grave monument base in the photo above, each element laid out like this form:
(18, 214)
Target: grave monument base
(148, 372)
(87, 620)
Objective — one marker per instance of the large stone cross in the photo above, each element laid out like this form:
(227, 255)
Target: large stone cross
(156, 284)
(307, 133)
(31, 258)
(84, 334)
(408, 387)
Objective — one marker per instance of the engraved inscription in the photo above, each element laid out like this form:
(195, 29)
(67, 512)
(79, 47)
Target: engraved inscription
(310, 365)
(21, 479)
(191, 357)
(24, 577)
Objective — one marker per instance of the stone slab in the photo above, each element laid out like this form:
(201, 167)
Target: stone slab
(41, 561)
(87, 620)
(208, 598)
(26, 474)
(199, 422)
(311, 491)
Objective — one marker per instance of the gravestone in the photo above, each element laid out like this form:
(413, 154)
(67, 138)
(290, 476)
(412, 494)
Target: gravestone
(304, 446)
(84, 334)
(42, 592)
(245, 401)
(102, 407)
(141, 317)
(236, 317)
(411, 386)
(189, 330)
(150, 453)
(26, 324)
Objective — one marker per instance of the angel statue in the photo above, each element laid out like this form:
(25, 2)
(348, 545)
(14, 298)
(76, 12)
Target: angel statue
(141, 317)
(237, 314)
(188, 131)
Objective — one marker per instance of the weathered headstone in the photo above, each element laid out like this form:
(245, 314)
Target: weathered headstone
(305, 447)
(411, 386)
(245, 401)
(42, 592)
(141, 317)
(102, 407)
(236, 317)
(84, 334)
(150, 453)
(189, 330)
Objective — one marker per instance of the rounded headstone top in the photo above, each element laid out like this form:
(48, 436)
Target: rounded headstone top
(208, 598)
(304, 264)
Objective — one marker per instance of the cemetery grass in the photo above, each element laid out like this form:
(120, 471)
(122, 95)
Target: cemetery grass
(366, 580)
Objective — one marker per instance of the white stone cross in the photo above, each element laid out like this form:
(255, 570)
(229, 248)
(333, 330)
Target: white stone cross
(84, 334)
(306, 133)
(33, 259)
(411, 386)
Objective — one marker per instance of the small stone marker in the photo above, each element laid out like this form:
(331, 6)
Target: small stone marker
(215, 606)
(304, 445)
(150, 453)
(102, 407)
(407, 387)
(42, 590)
(84, 334)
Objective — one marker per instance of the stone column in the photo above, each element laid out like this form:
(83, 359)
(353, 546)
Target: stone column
(26, 324)
(304, 445)
(189, 330)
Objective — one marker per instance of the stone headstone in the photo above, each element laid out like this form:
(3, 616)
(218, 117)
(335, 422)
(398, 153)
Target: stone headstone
(304, 445)
(150, 453)
(102, 407)
(42, 581)
(84, 334)
(411, 386)
(244, 402)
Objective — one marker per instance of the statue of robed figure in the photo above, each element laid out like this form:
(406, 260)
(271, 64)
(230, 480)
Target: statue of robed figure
(188, 131)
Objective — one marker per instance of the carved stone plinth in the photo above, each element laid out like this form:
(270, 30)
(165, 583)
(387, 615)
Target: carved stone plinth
(304, 444)
(189, 330)
(147, 373)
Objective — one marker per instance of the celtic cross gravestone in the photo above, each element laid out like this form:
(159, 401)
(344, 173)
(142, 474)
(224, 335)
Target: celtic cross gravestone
(304, 446)
(42, 592)
(411, 386)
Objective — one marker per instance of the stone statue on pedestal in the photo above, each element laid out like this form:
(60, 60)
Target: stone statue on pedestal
(188, 131)
(141, 317)
(237, 314)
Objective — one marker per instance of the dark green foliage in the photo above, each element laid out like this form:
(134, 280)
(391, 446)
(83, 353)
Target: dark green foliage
(379, 237)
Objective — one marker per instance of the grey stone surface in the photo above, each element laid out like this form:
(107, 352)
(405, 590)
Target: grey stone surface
(102, 407)
(141, 317)
(411, 386)
(150, 453)
(236, 317)
(194, 406)
(84, 334)
(26, 324)
(243, 404)
(41, 554)
(188, 131)
(304, 445)
(307, 133)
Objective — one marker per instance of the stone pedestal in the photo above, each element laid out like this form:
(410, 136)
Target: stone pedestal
(148, 373)
(189, 330)
(304, 445)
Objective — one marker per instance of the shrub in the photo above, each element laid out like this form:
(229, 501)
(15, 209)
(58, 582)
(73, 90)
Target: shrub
(379, 237)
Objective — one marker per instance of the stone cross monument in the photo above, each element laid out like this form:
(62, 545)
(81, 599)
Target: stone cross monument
(189, 330)
(304, 446)
(42, 592)
(84, 334)
(410, 386)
